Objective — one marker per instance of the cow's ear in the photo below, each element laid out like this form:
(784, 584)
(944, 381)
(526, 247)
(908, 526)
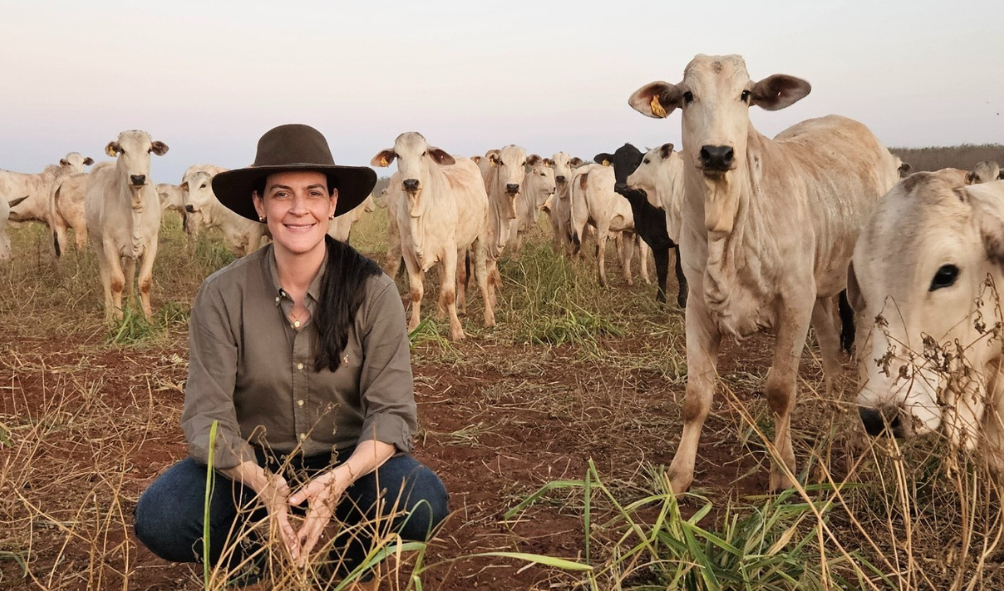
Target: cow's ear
(183, 186)
(575, 161)
(440, 156)
(476, 159)
(1001, 175)
(971, 177)
(532, 160)
(159, 148)
(657, 99)
(904, 170)
(548, 163)
(88, 161)
(603, 158)
(666, 150)
(383, 158)
(64, 162)
(493, 158)
(113, 149)
(776, 92)
(987, 202)
(854, 296)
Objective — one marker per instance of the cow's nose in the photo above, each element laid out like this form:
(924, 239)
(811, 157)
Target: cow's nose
(875, 422)
(190, 208)
(560, 178)
(512, 188)
(138, 179)
(620, 187)
(717, 158)
(411, 185)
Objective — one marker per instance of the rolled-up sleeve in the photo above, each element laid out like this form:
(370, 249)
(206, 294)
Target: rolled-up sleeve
(209, 391)
(385, 383)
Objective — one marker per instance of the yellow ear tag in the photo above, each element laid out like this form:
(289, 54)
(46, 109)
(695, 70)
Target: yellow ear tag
(606, 162)
(110, 151)
(495, 163)
(383, 161)
(657, 109)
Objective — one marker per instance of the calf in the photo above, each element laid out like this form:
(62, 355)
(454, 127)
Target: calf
(984, 172)
(648, 177)
(924, 282)
(37, 187)
(538, 188)
(241, 235)
(560, 209)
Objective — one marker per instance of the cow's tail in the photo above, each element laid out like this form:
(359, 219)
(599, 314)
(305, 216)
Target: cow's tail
(847, 331)
(55, 236)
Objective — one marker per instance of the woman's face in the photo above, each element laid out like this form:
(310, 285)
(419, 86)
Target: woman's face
(298, 207)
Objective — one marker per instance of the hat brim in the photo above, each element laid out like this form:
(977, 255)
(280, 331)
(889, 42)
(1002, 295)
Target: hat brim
(234, 187)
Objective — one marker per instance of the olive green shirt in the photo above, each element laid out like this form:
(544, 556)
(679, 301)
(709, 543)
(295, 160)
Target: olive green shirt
(251, 371)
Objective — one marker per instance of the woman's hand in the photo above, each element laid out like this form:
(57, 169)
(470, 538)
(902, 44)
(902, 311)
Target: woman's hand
(322, 495)
(273, 492)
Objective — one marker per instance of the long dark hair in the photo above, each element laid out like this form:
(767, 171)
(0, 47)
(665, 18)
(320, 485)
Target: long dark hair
(343, 289)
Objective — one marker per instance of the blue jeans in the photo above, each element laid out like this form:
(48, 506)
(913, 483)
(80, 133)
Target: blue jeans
(168, 518)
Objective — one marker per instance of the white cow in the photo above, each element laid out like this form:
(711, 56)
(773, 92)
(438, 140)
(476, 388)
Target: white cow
(768, 229)
(241, 235)
(66, 208)
(504, 178)
(37, 187)
(442, 211)
(660, 175)
(341, 227)
(4, 237)
(984, 172)
(560, 209)
(925, 284)
(594, 201)
(537, 189)
(391, 198)
(123, 219)
(172, 198)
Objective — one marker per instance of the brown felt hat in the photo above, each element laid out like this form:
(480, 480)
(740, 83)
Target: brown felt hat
(289, 148)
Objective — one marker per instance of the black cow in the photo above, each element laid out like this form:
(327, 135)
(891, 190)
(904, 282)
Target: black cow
(649, 221)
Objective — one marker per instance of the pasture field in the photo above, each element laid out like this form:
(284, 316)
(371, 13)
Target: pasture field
(551, 432)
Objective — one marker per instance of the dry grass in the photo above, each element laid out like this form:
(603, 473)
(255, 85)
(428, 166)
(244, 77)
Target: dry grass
(963, 157)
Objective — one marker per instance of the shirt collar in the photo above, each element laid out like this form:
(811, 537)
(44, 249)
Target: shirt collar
(313, 290)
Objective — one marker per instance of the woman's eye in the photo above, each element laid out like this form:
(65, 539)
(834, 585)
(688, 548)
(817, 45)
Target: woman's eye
(945, 277)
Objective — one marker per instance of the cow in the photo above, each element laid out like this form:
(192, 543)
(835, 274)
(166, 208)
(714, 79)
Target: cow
(172, 198)
(538, 187)
(768, 229)
(123, 219)
(984, 172)
(560, 209)
(66, 208)
(442, 211)
(504, 176)
(37, 187)
(925, 283)
(391, 199)
(652, 182)
(594, 201)
(4, 237)
(240, 235)
(341, 227)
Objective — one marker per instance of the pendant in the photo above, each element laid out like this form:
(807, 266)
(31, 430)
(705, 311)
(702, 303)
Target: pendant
(296, 324)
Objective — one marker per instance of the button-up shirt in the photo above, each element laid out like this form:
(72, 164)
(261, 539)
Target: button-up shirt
(253, 372)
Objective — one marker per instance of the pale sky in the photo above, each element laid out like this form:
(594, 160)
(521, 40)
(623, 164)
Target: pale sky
(208, 78)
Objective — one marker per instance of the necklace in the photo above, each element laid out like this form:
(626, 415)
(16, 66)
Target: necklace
(296, 318)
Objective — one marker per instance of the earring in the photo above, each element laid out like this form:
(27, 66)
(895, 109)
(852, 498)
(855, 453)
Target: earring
(332, 217)
(262, 219)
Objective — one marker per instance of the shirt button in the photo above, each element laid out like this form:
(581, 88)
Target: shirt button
(277, 300)
(299, 366)
(299, 403)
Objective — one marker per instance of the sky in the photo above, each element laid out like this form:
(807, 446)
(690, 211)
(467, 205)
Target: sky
(209, 78)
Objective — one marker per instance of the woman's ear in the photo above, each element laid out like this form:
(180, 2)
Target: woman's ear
(259, 204)
(334, 203)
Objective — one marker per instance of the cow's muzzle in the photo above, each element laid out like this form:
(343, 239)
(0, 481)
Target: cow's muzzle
(411, 185)
(137, 179)
(190, 208)
(512, 188)
(877, 421)
(560, 179)
(716, 159)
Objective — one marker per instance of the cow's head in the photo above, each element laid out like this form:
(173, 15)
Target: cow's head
(197, 191)
(539, 179)
(984, 172)
(415, 159)
(652, 172)
(563, 167)
(624, 160)
(509, 174)
(922, 285)
(715, 96)
(75, 162)
(132, 150)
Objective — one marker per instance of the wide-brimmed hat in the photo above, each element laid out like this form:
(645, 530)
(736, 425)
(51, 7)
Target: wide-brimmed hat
(289, 148)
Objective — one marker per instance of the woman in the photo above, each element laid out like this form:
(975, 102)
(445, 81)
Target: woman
(299, 355)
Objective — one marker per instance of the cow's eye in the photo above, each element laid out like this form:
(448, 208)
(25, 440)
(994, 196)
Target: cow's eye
(424, 153)
(945, 277)
(745, 97)
(688, 97)
(203, 186)
(647, 161)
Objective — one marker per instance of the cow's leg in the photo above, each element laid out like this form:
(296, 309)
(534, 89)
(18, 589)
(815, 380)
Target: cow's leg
(493, 278)
(627, 255)
(601, 253)
(829, 343)
(393, 251)
(146, 277)
(59, 233)
(106, 284)
(415, 277)
(791, 333)
(481, 274)
(116, 282)
(448, 291)
(80, 236)
(129, 270)
(643, 252)
(463, 262)
(703, 340)
(681, 280)
(661, 256)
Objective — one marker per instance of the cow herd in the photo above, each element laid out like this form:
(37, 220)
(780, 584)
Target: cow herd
(767, 233)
